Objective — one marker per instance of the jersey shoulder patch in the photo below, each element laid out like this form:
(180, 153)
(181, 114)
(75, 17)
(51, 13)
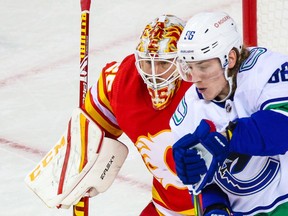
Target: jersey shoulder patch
(250, 62)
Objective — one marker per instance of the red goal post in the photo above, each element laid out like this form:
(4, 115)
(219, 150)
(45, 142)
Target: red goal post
(265, 23)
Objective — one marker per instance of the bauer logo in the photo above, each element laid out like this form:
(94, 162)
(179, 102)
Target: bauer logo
(84, 36)
(189, 35)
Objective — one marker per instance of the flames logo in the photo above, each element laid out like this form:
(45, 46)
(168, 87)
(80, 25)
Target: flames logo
(156, 152)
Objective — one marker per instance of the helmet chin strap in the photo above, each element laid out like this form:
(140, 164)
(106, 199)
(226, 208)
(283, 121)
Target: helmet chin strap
(230, 83)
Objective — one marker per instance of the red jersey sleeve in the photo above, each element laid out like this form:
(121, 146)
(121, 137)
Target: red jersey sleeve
(97, 101)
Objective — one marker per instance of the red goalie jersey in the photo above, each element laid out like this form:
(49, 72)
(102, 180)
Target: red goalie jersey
(120, 102)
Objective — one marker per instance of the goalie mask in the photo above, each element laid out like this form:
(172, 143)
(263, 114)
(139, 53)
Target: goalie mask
(156, 58)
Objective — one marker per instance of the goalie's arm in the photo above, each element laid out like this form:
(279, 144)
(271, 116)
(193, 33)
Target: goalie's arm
(97, 102)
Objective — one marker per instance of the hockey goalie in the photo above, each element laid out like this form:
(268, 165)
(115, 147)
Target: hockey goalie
(82, 163)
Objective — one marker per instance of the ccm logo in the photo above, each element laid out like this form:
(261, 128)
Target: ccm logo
(47, 159)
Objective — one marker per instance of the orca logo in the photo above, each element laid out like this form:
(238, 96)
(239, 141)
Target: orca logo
(240, 185)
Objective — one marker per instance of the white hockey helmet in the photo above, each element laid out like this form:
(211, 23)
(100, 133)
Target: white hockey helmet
(208, 35)
(158, 42)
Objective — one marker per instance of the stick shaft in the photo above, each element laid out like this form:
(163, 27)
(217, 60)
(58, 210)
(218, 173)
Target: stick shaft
(84, 48)
(197, 205)
(196, 200)
(82, 207)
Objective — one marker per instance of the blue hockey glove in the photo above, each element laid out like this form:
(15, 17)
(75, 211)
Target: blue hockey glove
(210, 146)
(189, 164)
(214, 147)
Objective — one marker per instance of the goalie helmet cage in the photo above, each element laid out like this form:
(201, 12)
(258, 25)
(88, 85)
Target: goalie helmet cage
(265, 23)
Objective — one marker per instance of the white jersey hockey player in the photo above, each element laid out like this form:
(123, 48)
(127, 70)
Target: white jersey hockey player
(231, 127)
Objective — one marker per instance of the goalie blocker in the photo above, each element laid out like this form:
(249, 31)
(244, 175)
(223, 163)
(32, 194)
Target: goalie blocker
(57, 179)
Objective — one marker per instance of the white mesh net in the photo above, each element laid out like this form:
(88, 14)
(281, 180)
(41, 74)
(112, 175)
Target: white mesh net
(272, 24)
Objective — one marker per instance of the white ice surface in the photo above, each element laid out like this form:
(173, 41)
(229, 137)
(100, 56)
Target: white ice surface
(39, 67)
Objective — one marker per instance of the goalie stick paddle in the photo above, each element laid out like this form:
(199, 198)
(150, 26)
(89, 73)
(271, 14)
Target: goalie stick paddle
(82, 207)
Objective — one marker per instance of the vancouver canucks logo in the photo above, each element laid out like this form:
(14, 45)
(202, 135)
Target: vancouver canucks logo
(242, 175)
(180, 112)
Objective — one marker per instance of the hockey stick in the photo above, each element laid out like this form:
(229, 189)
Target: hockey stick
(84, 48)
(82, 207)
(198, 208)
(197, 205)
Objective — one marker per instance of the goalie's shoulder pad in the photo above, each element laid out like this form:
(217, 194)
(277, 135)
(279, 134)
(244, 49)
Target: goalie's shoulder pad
(83, 159)
(111, 67)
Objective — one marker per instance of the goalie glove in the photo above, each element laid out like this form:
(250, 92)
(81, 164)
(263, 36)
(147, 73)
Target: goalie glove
(197, 167)
(60, 180)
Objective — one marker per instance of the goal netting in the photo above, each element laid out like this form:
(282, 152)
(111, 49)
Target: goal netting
(265, 23)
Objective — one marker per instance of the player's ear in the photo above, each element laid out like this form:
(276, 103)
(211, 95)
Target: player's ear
(232, 57)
